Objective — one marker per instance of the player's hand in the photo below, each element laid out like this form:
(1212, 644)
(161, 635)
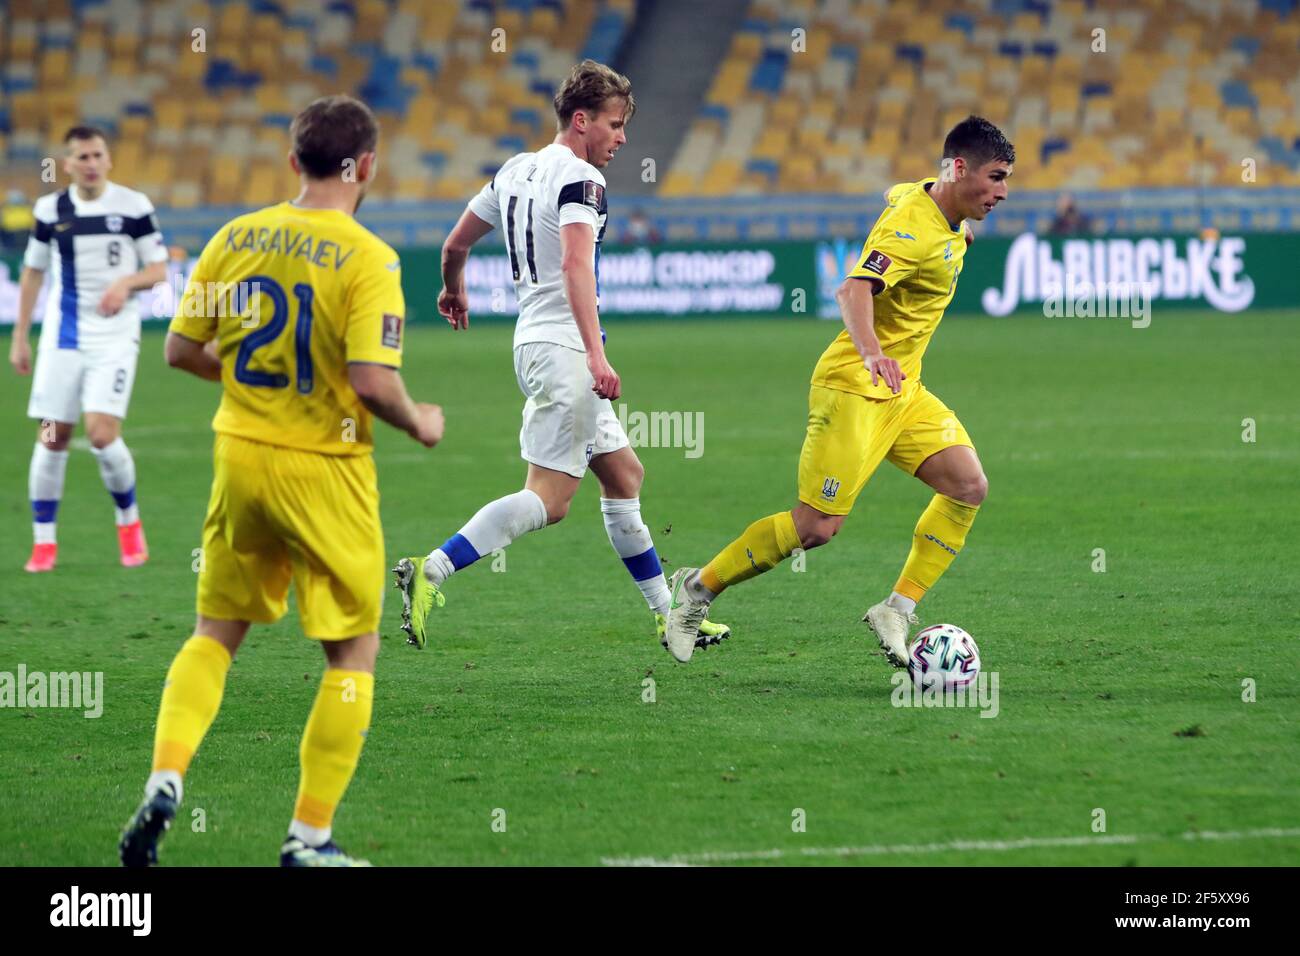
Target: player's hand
(454, 307)
(114, 298)
(429, 424)
(606, 382)
(20, 355)
(887, 369)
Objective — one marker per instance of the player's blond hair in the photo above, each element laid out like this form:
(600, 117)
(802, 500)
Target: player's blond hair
(588, 87)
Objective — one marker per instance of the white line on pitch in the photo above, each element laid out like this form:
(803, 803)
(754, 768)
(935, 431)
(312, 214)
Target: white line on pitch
(952, 846)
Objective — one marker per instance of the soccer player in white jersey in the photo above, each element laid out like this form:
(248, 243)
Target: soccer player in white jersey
(102, 243)
(551, 206)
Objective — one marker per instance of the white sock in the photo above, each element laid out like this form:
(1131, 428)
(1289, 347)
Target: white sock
(45, 488)
(117, 468)
(697, 590)
(160, 778)
(495, 525)
(631, 539)
(901, 603)
(312, 836)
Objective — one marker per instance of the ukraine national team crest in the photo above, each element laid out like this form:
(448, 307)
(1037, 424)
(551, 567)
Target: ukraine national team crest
(830, 488)
(114, 223)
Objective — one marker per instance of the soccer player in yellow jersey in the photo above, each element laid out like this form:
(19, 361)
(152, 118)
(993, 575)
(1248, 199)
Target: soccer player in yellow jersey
(867, 402)
(298, 311)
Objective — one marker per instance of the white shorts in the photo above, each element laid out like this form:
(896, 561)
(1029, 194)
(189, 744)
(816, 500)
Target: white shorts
(68, 382)
(565, 423)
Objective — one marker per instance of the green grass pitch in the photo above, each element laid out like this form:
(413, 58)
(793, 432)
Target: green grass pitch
(529, 698)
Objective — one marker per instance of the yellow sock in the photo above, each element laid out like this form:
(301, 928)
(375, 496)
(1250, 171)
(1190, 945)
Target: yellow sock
(190, 701)
(331, 743)
(765, 544)
(939, 535)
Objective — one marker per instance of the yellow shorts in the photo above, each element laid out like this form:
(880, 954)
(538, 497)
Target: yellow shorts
(849, 434)
(278, 514)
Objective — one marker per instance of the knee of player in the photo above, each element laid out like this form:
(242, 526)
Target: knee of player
(54, 437)
(556, 511)
(634, 477)
(101, 437)
(973, 490)
(819, 534)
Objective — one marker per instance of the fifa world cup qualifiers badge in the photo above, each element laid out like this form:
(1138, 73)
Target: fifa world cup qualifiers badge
(391, 338)
(877, 262)
(593, 194)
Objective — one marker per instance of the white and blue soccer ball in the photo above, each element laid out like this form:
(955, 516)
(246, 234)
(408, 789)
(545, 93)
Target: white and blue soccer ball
(943, 656)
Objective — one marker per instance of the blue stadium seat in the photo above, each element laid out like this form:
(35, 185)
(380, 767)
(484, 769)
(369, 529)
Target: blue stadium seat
(769, 73)
(715, 111)
(845, 51)
(961, 21)
(1095, 89)
(1237, 93)
(910, 51)
(605, 37)
(523, 114)
(1246, 44)
(1011, 49)
(1051, 146)
(511, 144)
(320, 63)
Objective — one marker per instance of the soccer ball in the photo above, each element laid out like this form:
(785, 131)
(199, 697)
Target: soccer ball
(943, 656)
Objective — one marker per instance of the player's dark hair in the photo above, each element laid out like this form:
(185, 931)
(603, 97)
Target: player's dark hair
(588, 86)
(331, 130)
(84, 132)
(978, 141)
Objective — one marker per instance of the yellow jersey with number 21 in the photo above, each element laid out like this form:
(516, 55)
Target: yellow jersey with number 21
(293, 295)
(916, 256)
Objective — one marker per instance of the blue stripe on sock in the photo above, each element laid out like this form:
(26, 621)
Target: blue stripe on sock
(461, 552)
(43, 512)
(644, 565)
(124, 499)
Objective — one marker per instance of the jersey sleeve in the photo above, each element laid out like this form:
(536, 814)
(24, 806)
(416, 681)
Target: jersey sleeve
(148, 236)
(890, 254)
(582, 201)
(196, 315)
(37, 255)
(377, 312)
(485, 204)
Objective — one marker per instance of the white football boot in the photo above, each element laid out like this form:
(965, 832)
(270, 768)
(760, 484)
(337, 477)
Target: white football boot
(685, 614)
(891, 627)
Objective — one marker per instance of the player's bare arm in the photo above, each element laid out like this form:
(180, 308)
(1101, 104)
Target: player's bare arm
(20, 349)
(577, 250)
(118, 292)
(382, 391)
(190, 355)
(453, 303)
(858, 311)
